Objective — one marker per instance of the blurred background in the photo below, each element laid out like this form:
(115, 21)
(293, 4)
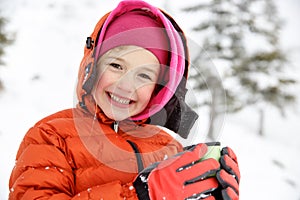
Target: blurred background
(244, 78)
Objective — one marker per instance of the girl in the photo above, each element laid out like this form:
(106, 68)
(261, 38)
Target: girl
(131, 79)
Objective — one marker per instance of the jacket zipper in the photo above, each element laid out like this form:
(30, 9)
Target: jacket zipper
(116, 126)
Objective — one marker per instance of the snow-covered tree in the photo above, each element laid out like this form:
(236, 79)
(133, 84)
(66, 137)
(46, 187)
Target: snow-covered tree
(240, 39)
(4, 41)
(264, 72)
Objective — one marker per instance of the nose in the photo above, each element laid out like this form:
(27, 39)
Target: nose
(126, 83)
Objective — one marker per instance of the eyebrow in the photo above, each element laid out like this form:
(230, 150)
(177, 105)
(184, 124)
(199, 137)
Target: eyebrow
(151, 70)
(115, 58)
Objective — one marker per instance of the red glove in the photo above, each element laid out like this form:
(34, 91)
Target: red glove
(229, 175)
(180, 177)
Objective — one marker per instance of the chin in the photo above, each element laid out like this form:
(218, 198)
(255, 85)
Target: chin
(117, 116)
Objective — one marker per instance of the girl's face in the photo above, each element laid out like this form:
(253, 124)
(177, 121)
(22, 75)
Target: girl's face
(127, 78)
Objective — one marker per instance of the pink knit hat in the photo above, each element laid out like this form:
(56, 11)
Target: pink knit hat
(135, 22)
(137, 28)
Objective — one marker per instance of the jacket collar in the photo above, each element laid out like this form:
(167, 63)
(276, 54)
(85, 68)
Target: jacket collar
(93, 110)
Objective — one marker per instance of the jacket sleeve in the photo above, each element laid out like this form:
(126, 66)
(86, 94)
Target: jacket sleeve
(43, 170)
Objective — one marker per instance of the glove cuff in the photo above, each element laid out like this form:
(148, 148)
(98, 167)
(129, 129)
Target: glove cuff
(141, 182)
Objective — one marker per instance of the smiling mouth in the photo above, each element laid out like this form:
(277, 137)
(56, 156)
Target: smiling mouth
(118, 99)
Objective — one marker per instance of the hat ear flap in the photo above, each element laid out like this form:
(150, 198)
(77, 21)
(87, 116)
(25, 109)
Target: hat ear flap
(87, 78)
(182, 119)
(176, 114)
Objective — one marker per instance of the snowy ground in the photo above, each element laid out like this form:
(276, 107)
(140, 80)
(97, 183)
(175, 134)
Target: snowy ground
(40, 77)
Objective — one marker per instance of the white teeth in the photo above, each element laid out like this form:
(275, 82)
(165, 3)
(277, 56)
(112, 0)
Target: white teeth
(118, 99)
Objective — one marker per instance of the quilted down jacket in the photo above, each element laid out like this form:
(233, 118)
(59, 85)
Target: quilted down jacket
(61, 157)
(78, 154)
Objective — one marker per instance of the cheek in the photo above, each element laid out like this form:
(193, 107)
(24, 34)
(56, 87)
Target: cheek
(101, 84)
(98, 87)
(145, 93)
(104, 79)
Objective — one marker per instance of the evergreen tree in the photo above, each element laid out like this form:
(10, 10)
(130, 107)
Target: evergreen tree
(241, 39)
(5, 40)
(263, 73)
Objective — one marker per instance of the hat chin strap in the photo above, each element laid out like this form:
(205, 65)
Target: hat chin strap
(176, 114)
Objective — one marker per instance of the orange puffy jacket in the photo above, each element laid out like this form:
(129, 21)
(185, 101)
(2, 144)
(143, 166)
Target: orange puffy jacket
(62, 157)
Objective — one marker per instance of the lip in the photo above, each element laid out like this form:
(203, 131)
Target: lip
(116, 103)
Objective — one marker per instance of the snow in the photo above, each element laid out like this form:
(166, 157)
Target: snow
(40, 78)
